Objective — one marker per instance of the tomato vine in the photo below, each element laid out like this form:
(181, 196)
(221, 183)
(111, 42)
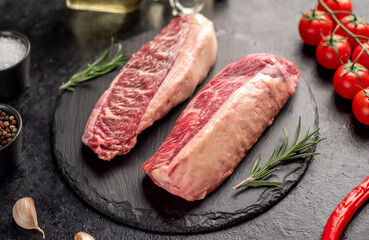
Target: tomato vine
(333, 49)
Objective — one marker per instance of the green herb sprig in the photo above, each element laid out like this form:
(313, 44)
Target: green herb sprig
(281, 153)
(100, 67)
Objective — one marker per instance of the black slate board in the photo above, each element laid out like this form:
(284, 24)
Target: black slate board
(121, 190)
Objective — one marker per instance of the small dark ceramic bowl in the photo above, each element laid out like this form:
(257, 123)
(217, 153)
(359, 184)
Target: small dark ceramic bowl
(16, 77)
(11, 153)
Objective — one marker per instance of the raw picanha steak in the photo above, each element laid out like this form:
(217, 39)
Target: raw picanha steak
(163, 73)
(220, 125)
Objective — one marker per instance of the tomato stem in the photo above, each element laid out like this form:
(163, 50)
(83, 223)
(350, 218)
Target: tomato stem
(335, 29)
(331, 13)
(352, 14)
(357, 58)
(361, 36)
(365, 92)
(313, 15)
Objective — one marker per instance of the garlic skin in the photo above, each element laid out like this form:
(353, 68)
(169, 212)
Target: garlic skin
(83, 236)
(24, 214)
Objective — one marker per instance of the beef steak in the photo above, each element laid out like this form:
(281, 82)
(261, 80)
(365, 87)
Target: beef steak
(163, 73)
(221, 124)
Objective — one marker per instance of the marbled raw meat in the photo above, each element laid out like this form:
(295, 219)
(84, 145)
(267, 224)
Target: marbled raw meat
(220, 124)
(163, 73)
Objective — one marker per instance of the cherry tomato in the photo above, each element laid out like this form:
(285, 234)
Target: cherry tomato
(312, 24)
(337, 5)
(357, 26)
(360, 106)
(364, 58)
(345, 80)
(326, 54)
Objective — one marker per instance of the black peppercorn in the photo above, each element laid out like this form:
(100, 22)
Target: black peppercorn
(8, 128)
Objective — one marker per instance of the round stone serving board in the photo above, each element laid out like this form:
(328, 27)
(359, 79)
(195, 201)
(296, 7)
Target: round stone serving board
(121, 190)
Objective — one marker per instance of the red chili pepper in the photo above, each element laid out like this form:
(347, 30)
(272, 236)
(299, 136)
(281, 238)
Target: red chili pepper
(344, 211)
(2, 126)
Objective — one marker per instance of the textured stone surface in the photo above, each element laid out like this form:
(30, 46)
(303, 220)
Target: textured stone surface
(121, 190)
(62, 40)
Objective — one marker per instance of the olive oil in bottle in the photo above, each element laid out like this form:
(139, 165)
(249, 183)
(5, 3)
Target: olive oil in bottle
(113, 6)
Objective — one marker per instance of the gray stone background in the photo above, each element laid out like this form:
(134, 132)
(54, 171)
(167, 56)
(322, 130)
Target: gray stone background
(64, 40)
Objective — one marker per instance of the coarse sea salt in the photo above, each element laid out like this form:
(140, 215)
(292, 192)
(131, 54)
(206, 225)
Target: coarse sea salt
(11, 51)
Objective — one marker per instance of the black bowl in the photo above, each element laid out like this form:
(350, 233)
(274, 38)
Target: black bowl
(11, 153)
(16, 77)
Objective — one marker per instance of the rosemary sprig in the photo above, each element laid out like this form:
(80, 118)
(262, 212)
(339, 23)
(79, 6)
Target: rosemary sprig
(281, 153)
(98, 68)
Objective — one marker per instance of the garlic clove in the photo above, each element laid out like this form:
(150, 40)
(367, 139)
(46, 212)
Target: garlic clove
(83, 236)
(24, 214)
